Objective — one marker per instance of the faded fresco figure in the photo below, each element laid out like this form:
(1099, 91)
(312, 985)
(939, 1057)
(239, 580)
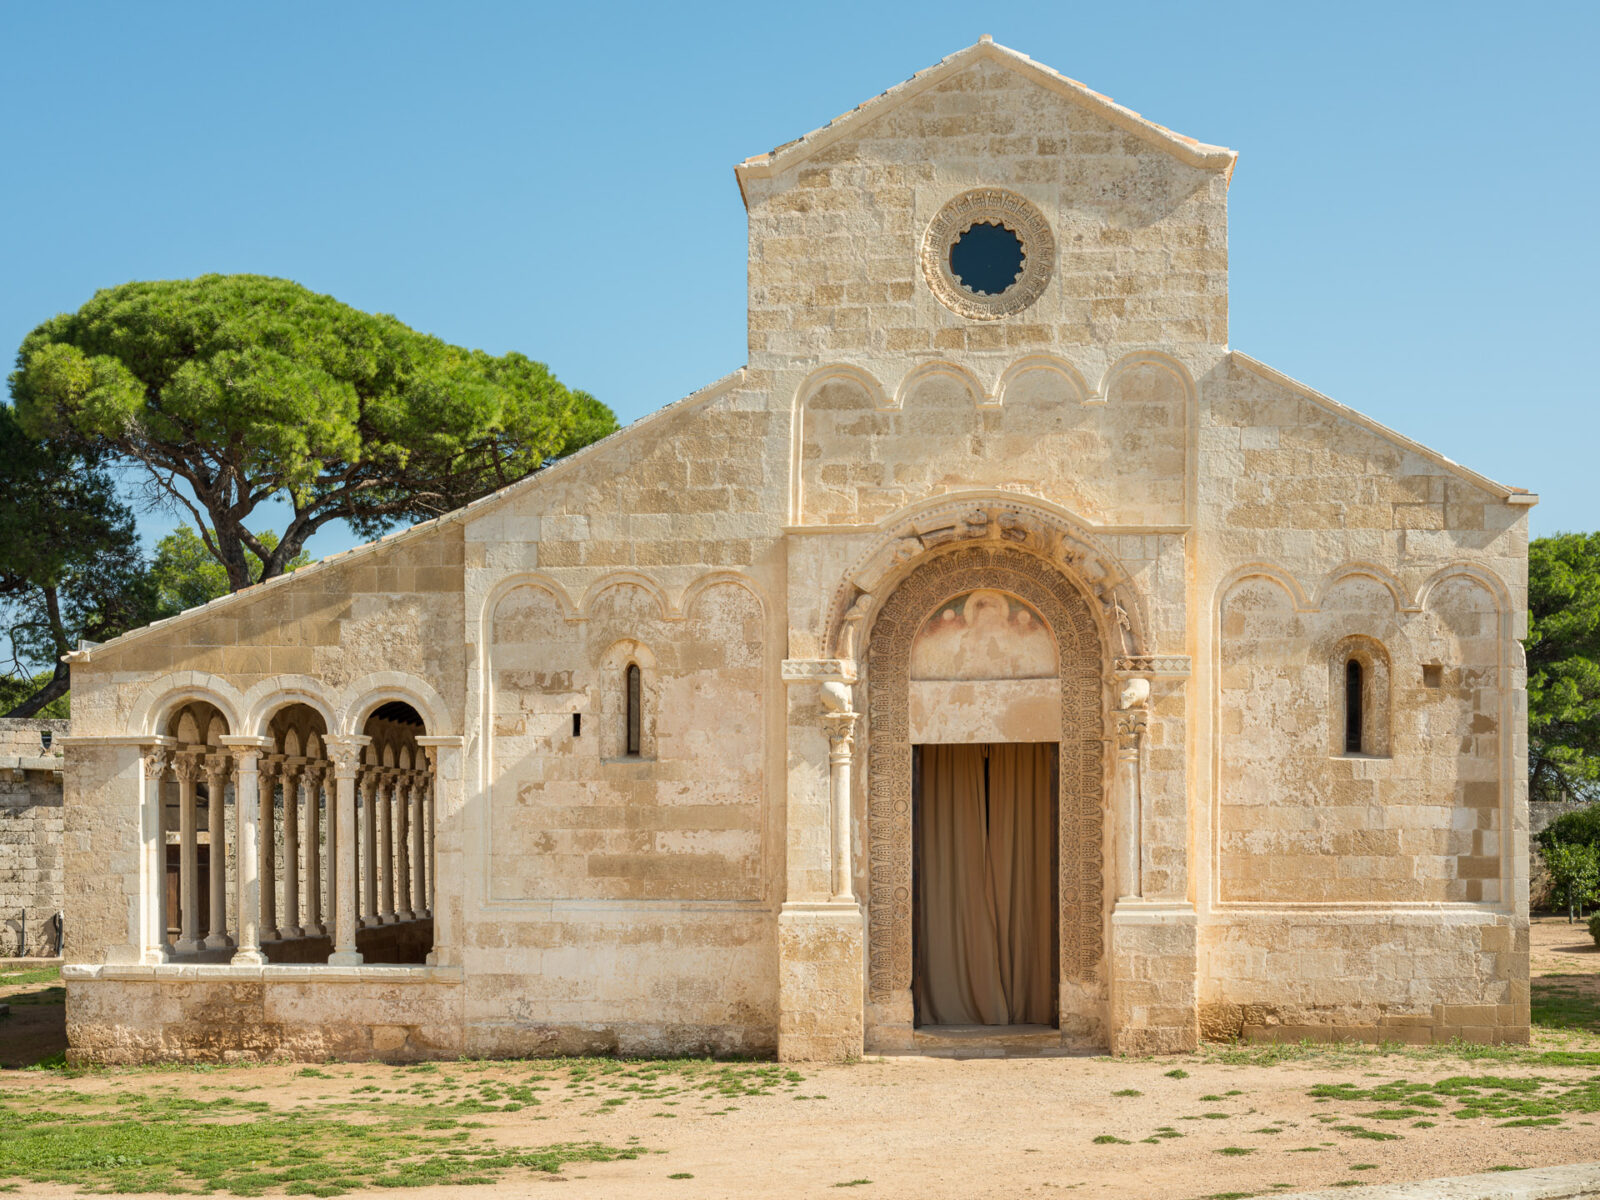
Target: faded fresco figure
(984, 634)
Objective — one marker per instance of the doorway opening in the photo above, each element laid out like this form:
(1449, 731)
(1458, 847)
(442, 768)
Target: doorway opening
(986, 944)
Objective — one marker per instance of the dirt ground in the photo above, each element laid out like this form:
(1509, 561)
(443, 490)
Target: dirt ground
(1224, 1122)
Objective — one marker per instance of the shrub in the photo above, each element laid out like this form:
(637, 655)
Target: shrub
(1574, 874)
(1594, 928)
(1579, 828)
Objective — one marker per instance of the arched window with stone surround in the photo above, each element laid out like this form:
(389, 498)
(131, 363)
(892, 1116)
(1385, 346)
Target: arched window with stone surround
(1358, 678)
(634, 730)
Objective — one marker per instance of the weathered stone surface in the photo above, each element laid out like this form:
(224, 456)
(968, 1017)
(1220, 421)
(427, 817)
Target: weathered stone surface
(1210, 545)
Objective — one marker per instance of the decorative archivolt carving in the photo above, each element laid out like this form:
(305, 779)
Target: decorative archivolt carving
(1081, 774)
(1063, 544)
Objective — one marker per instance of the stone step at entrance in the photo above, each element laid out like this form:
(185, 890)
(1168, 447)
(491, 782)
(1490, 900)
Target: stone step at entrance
(989, 1041)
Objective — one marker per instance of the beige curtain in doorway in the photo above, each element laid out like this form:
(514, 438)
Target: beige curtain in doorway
(986, 921)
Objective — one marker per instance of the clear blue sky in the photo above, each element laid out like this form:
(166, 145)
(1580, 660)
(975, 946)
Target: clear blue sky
(1413, 220)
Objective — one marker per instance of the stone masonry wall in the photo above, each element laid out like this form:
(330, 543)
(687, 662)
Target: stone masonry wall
(30, 836)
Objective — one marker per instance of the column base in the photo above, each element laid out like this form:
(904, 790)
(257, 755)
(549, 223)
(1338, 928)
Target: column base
(316, 929)
(1155, 1000)
(249, 958)
(290, 931)
(218, 941)
(404, 915)
(345, 958)
(189, 946)
(821, 977)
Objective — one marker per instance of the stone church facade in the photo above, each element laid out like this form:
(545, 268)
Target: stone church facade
(646, 753)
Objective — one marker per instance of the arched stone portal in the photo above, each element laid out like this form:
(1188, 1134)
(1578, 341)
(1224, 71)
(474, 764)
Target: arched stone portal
(1083, 668)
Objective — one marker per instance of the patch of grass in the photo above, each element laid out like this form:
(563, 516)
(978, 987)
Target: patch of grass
(1215, 1116)
(1128, 1092)
(680, 1175)
(853, 1183)
(1177, 1073)
(1105, 1139)
(1235, 1151)
(29, 975)
(1504, 1167)
(1229, 1196)
(1503, 1098)
(1558, 1004)
(163, 1142)
(1363, 1167)
(1372, 1135)
(1211, 1099)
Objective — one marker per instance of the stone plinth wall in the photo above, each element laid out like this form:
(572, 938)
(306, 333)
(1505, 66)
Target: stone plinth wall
(137, 1014)
(30, 836)
(1417, 977)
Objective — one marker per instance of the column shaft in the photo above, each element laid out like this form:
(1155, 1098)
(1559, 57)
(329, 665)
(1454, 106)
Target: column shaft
(1130, 730)
(342, 846)
(386, 914)
(402, 846)
(841, 740)
(247, 819)
(369, 849)
(419, 849)
(157, 762)
(217, 854)
(312, 848)
(267, 859)
(188, 771)
(290, 926)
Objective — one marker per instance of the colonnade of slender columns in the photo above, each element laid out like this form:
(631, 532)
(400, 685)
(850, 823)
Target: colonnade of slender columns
(377, 830)
(396, 831)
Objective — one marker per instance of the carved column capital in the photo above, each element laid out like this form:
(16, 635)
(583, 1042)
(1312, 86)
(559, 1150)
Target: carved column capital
(157, 762)
(841, 730)
(188, 766)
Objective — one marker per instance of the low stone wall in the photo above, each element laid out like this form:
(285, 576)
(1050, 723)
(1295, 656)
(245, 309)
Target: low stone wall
(141, 1014)
(30, 836)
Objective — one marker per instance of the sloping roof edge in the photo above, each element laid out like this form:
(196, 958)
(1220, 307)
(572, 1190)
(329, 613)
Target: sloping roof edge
(87, 650)
(1195, 153)
(1512, 495)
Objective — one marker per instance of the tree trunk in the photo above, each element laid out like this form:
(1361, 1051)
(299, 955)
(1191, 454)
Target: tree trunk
(57, 686)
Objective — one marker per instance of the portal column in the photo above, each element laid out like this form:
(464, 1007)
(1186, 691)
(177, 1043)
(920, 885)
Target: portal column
(1132, 720)
(246, 856)
(821, 947)
(187, 769)
(216, 835)
(291, 851)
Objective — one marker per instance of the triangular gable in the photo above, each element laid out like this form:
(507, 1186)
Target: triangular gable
(1511, 495)
(477, 508)
(1186, 149)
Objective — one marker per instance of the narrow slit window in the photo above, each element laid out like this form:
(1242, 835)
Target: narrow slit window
(1352, 707)
(635, 708)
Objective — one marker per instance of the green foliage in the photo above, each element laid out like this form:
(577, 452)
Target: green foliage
(1594, 928)
(1580, 828)
(187, 575)
(1563, 650)
(70, 566)
(227, 390)
(1574, 874)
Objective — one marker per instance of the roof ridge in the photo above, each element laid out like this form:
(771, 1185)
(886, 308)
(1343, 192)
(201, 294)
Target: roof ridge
(1512, 495)
(1190, 150)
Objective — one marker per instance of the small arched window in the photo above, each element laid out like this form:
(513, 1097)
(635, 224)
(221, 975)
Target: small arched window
(1353, 697)
(635, 710)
